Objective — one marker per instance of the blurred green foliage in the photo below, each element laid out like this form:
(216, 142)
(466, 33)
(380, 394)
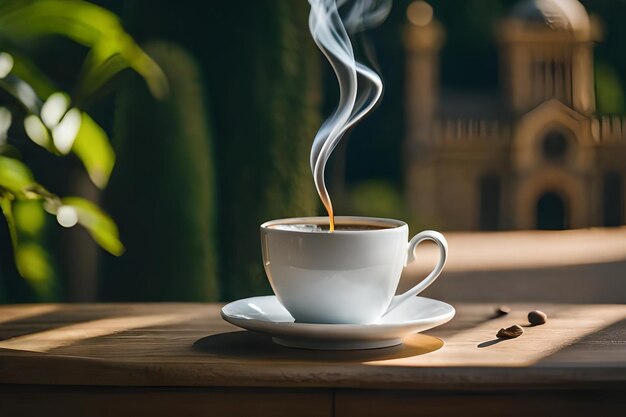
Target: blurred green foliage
(262, 73)
(31, 256)
(265, 121)
(111, 49)
(56, 121)
(380, 198)
(609, 90)
(162, 192)
(377, 198)
(262, 76)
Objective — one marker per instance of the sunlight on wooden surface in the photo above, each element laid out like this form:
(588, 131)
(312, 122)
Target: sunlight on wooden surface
(175, 344)
(478, 346)
(67, 335)
(20, 313)
(481, 251)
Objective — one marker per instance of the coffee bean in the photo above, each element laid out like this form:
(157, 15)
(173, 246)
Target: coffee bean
(503, 310)
(510, 332)
(537, 317)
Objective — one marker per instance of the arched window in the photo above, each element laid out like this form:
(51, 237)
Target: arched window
(489, 202)
(613, 199)
(551, 212)
(554, 146)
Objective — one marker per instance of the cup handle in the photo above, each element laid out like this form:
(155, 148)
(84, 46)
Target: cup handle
(443, 254)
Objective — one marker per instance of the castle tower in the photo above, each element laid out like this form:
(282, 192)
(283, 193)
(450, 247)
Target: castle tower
(547, 162)
(547, 52)
(423, 39)
(547, 69)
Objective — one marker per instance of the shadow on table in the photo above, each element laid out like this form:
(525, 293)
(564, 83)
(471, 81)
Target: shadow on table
(38, 318)
(610, 339)
(597, 283)
(256, 346)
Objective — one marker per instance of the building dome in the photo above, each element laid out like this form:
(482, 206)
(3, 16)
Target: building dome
(563, 15)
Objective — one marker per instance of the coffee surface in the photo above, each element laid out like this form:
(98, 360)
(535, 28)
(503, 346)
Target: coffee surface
(358, 227)
(318, 228)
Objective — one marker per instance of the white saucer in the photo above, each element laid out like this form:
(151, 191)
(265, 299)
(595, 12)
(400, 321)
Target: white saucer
(267, 315)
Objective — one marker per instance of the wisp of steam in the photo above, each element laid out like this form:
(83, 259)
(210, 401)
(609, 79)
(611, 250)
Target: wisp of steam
(360, 88)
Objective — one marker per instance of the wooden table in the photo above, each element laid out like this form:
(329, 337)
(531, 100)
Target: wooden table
(183, 360)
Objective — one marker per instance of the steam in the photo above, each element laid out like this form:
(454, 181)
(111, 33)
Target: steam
(360, 88)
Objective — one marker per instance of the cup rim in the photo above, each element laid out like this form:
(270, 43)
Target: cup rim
(323, 220)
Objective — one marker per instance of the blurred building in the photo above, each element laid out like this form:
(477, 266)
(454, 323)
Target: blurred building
(534, 156)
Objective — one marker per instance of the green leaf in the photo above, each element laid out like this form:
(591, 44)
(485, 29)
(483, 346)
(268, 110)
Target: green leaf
(6, 118)
(7, 210)
(106, 59)
(81, 21)
(26, 223)
(23, 93)
(31, 258)
(37, 131)
(99, 225)
(93, 148)
(33, 264)
(89, 25)
(9, 151)
(30, 217)
(27, 71)
(14, 175)
(95, 74)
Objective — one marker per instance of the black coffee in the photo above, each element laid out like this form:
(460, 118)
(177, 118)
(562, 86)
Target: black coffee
(356, 227)
(325, 228)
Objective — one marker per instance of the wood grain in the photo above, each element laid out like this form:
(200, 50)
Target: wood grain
(479, 404)
(162, 402)
(189, 345)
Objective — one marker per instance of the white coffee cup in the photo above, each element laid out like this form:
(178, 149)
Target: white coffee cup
(344, 277)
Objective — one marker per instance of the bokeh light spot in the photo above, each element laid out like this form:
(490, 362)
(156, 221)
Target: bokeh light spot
(5, 124)
(64, 134)
(419, 13)
(67, 216)
(6, 64)
(36, 130)
(54, 108)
